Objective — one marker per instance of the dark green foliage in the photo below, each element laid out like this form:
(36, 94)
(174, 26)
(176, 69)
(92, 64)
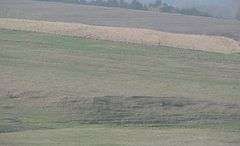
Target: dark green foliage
(123, 4)
(169, 9)
(112, 3)
(193, 11)
(97, 2)
(238, 14)
(136, 5)
(156, 4)
(82, 2)
(187, 11)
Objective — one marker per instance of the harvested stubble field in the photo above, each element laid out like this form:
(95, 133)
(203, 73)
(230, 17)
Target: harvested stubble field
(131, 35)
(137, 95)
(50, 11)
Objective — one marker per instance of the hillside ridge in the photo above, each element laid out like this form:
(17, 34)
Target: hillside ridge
(128, 35)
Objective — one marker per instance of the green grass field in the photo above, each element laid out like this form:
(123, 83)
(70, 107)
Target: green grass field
(95, 135)
(59, 90)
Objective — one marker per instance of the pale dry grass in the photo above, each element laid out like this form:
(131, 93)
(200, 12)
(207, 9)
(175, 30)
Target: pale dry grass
(121, 34)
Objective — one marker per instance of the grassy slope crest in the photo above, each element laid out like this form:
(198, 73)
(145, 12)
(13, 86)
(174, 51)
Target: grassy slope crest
(132, 35)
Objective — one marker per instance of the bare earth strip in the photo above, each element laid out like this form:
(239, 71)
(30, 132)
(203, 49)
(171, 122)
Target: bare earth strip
(121, 34)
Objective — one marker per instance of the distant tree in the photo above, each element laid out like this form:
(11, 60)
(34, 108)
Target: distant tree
(100, 3)
(136, 5)
(238, 14)
(193, 11)
(123, 4)
(92, 2)
(146, 7)
(169, 9)
(112, 3)
(82, 2)
(158, 3)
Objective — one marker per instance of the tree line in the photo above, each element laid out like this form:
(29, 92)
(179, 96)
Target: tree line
(135, 4)
(158, 5)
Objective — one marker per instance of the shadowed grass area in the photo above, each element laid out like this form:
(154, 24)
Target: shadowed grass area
(169, 112)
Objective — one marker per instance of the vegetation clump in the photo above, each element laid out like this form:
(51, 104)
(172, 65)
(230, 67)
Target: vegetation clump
(158, 5)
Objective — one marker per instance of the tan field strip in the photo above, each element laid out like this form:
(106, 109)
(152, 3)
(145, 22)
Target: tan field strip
(121, 34)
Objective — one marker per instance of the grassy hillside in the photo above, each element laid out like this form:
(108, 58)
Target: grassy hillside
(102, 93)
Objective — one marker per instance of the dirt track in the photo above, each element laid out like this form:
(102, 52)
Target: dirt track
(131, 35)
